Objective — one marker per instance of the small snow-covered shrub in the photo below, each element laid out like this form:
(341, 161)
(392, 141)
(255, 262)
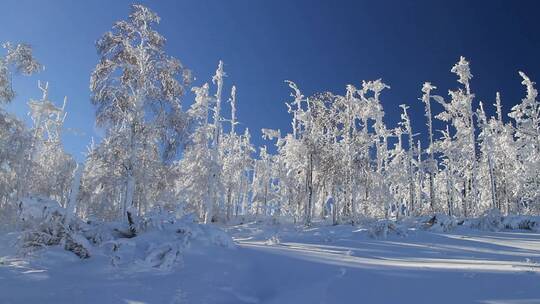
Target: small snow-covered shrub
(77, 244)
(273, 240)
(522, 222)
(98, 232)
(45, 224)
(120, 251)
(205, 234)
(161, 242)
(42, 221)
(490, 221)
(441, 223)
(163, 256)
(219, 237)
(382, 228)
(156, 219)
(32, 209)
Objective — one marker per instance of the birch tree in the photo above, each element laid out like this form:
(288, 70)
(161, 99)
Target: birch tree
(18, 59)
(458, 111)
(136, 88)
(527, 131)
(431, 164)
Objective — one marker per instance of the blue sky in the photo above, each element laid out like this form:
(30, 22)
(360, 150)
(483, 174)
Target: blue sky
(321, 45)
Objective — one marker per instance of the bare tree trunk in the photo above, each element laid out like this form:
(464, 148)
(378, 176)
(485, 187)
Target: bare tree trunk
(229, 204)
(75, 184)
(130, 179)
(494, 200)
(431, 192)
(309, 184)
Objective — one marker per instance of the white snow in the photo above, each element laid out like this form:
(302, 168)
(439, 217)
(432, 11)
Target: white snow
(290, 264)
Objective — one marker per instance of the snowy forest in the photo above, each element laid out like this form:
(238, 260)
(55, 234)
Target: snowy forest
(340, 161)
(166, 157)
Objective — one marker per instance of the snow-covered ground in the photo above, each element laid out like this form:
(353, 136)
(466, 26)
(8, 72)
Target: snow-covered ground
(287, 264)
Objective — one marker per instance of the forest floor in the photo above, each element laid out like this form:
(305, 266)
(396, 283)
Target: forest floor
(288, 264)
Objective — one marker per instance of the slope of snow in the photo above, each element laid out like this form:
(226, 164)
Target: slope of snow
(288, 264)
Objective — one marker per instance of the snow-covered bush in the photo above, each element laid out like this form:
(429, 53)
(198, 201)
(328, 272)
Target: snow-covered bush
(381, 229)
(273, 240)
(98, 232)
(491, 220)
(160, 242)
(157, 221)
(522, 222)
(45, 224)
(164, 256)
(32, 209)
(441, 223)
(78, 244)
(204, 234)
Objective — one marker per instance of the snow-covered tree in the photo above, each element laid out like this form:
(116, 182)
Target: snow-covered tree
(459, 112)
(406, 125)
(197, 181)
(51, 169)
(235, 151)
(262, 183)
(527, 132)
(18, 59)
(15, 138)
(214, 172)
(136, 88)
(431, 163)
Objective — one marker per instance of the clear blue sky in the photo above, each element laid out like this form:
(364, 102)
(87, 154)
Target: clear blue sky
(321, 45)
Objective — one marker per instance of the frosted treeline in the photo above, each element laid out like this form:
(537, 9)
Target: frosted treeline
(339, 162)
